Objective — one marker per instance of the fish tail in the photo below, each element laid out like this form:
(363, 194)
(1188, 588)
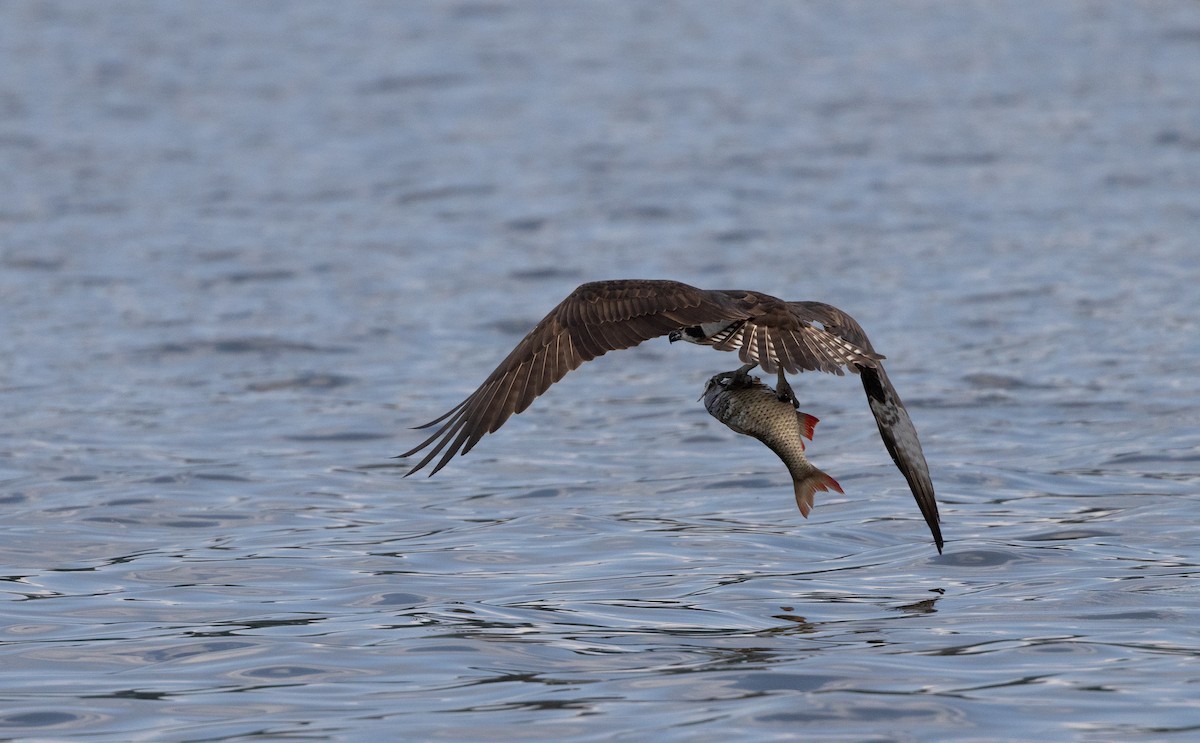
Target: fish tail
(807, 424)
(808, 485)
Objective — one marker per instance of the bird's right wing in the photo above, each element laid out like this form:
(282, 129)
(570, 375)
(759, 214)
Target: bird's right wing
(597, 317)
(777, 337)
(895, 426)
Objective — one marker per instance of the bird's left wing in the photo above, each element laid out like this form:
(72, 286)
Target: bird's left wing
(597, 317)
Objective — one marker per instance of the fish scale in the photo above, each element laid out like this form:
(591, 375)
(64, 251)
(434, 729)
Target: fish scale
(747, 406)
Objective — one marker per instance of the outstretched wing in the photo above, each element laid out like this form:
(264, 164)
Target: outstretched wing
(596, 318)
(776, 337)
(895, 427)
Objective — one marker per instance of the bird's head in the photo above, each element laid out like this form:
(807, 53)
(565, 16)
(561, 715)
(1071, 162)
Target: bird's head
(693, 334)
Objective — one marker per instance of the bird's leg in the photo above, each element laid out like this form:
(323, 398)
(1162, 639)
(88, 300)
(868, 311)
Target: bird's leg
(739, 376)
(736, 379)
(783, 391)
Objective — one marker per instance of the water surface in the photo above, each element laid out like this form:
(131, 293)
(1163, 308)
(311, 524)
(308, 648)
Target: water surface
(246, 246)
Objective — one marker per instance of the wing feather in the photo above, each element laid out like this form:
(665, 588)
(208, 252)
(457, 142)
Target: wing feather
(900, 438)
(895, 426)
(596, 318)
(775, 337)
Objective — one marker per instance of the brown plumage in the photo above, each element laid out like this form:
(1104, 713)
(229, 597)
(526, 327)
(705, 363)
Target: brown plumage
(603, 316)
(895, 426)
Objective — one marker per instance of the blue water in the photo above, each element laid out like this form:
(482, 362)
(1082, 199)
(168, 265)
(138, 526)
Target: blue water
(245, 246)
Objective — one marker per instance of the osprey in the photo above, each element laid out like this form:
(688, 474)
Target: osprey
(601, 316)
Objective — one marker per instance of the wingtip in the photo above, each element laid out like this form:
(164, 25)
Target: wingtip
(411, 470)
(415, 467)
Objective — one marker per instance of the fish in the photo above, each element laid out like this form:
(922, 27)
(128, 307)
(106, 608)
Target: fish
(749, 407)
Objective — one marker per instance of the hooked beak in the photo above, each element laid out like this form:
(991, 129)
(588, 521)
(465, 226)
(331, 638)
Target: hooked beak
(674, 335)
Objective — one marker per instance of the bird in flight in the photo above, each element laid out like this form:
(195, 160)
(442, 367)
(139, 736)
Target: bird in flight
(601, 316)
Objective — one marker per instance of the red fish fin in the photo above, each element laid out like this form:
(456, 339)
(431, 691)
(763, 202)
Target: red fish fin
(807, 424)
(805, 489)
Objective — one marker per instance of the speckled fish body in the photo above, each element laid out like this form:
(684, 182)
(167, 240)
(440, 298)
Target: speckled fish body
(752, 408)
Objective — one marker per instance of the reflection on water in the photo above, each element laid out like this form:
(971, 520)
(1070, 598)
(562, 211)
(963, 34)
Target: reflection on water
(246, 246)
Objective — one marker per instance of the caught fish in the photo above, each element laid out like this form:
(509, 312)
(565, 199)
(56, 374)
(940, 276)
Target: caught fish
(748, 406)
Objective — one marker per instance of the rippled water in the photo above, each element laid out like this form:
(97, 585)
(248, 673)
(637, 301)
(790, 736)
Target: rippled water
(247, 245)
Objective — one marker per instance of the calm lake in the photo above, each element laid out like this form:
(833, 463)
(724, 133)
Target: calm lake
(245, 247)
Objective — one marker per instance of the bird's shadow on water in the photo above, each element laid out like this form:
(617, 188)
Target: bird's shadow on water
(979, 558)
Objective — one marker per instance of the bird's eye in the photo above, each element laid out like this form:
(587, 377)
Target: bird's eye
(695, 332)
